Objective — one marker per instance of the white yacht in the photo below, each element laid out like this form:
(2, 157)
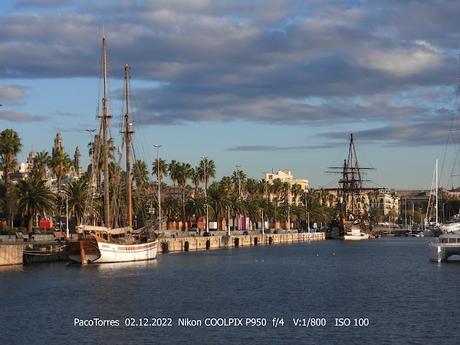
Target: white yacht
(446, 246)
(355, 234)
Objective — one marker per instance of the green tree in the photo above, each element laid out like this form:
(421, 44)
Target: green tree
(34, 198)
(10, 146)
(183, 173)
(41, 161)
(159, 169)
(239, 180)
(80, 202)
(173, 171)
(60, 165)
(207, 170)
(217, 200)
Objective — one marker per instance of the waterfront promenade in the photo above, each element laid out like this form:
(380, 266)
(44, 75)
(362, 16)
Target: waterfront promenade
(11, 249)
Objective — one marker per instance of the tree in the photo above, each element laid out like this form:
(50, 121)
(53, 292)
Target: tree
(141, 196)
(296, 191)
(159, 169)
(196, 179)
(96, 149)
(195, 207)
(183, 173)
(41, 161)
(172, 170)
(207, 169)
(34, 198)
(239, 179)
(60, 165)
(79, 198)
(10, 146)
(217, 200)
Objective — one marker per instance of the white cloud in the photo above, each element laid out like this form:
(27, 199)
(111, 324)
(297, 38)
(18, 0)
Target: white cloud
(11, 92)
(403, 62)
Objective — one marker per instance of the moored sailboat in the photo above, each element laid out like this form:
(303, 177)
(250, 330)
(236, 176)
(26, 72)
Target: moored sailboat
(102, 244)
(352, 222)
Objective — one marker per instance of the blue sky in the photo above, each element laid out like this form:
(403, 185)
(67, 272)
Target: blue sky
(264, 84)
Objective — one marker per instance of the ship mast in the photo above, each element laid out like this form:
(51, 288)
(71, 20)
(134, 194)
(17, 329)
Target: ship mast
(128, 136)
(351, 184)
(105, 124)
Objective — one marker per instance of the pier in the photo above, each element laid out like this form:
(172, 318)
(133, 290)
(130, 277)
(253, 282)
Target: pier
(191, 244)
(12, 253)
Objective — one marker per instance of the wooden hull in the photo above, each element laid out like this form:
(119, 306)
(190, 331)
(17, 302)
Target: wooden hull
(31, 256)
(92, 251)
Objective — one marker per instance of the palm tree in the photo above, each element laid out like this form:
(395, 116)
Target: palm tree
(183, 173)
(276, 188)
(217, 200)
(252, 188)
(207, 169)
(96, 149)
(159, 169)
(141, 196)
(236, 207)
(41, 161)
(10, 146)
(226, 183)
(60, 164)
(195, 207)
(239, 179)
(296, 191)
(2, 196)
(34, 198)
(117, 194)
(196, 179)
(172, 170)
(79, 198)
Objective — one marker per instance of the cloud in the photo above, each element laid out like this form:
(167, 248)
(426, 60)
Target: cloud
(440, 129)
(41, 3)
(403, 61)
(276, 62)
(11, 93)
(13, 116)
(271, 148)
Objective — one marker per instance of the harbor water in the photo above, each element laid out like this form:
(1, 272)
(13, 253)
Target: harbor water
(383, 291)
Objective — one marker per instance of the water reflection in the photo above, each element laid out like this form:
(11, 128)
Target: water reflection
(13, 268)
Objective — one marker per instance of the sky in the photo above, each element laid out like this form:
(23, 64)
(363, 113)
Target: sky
(266, 85)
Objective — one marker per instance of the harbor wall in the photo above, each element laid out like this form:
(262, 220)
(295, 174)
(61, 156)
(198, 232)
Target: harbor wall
(11, 254)
(191, 244)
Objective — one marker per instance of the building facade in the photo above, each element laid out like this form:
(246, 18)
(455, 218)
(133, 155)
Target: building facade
(286, 176)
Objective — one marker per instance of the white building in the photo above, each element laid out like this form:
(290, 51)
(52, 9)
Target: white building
(286, 176)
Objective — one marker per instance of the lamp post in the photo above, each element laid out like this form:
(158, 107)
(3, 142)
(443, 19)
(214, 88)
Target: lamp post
(289, 207)
(239, 192)
(67, 216)
(205, 160)
(159, 186)
(307, 214)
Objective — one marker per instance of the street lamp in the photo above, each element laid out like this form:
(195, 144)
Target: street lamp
(239, 191)
(289, 207)
(67, 216)
(159, 186)
(307, 214)
(205, 160)
(238, 177)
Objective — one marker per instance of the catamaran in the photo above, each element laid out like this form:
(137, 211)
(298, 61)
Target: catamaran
(101, 244)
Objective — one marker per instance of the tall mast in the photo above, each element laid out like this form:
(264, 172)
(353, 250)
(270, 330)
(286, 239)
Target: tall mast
(105, 125)
(437, 188)
(128, 134)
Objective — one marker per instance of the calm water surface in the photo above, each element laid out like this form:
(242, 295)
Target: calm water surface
(407, 299)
